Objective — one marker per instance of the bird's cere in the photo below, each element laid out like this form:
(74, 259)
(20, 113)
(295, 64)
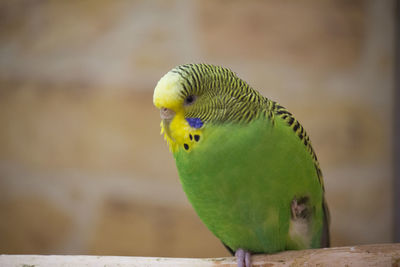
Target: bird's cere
(166, 93)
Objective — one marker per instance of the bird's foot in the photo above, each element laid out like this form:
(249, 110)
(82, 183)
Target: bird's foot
(243, 258)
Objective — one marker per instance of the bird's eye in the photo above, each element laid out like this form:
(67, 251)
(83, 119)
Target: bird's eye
(190, 99)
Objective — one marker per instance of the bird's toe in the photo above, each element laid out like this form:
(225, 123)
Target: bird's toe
(243, 258)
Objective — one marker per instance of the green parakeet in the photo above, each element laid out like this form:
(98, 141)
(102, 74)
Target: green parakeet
(245, 163)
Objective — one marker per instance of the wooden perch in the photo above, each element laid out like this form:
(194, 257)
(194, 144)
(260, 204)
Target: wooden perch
(366, 255)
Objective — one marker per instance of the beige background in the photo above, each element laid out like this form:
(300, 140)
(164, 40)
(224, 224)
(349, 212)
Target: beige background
(83, 169)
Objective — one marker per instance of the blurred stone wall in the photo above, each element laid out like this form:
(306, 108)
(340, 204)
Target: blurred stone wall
(83, 169)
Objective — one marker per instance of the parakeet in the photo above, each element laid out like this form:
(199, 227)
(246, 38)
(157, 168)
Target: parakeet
(245, 163)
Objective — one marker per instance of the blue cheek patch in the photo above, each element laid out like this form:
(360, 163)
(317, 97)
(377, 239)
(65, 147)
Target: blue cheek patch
(194, 122)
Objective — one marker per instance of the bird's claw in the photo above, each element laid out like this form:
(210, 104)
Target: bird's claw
(243, 258)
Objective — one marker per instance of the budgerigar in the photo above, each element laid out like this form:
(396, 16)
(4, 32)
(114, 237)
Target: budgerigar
(245, 163)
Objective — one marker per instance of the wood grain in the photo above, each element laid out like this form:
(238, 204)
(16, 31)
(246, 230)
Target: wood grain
(365, 255)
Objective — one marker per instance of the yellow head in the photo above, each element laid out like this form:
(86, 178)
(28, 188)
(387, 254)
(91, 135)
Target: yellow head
(167, 92)
(170, 99)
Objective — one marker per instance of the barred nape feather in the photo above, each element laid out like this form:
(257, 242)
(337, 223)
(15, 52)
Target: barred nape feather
(225, 91)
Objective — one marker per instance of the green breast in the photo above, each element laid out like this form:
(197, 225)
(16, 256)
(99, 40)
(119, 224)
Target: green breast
(241, 179)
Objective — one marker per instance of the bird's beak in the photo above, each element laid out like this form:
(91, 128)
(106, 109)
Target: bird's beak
(167, 114)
